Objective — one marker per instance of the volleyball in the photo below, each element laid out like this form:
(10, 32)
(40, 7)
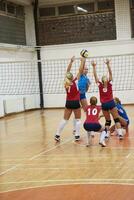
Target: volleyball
(84, 53)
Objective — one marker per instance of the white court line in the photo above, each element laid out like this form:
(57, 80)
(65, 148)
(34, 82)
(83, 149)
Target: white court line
(8, 170)
(32, 158)
(46, 151)
(19, 141)
(70, 181)
(73, 168)
(64, 184)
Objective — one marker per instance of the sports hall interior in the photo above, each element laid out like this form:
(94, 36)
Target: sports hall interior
(37, 40)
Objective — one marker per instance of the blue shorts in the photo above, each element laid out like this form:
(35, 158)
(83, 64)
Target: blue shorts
(108, 105)
(92, 126)
(82, 96)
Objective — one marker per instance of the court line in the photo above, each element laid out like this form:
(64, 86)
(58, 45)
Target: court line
(8, 170)
(70, 180)
(74, 168)
(19, 141)
(66, 184)
(32, 158)
(46, 151)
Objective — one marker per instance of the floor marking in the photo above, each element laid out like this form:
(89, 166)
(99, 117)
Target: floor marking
(67, 184)
(46, 151)
(10, 169)
(71, 181)
(36, 156)
(74, 168)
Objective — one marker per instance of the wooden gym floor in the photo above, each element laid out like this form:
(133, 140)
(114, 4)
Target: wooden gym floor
(34, 167)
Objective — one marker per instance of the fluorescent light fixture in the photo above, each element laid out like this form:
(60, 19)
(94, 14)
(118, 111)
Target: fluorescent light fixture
(81, 9)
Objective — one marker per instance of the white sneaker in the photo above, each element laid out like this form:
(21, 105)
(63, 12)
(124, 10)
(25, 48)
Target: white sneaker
(57, 138)
(103, 144)
(121, 137)
(77, 138)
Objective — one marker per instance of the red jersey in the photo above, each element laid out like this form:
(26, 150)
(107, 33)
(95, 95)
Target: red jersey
(106, 94)
(72, 91)
(92, 114)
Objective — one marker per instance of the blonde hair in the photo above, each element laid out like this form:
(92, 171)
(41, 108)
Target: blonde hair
(68, 79)
(104, 78)
(117, 100)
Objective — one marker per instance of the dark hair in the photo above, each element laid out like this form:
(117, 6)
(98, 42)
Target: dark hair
(93, 100)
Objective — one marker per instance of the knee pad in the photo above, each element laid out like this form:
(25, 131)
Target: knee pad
(116, 120)
(108, 123)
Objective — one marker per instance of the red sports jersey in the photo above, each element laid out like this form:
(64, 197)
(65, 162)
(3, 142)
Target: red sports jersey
(106, 94)
(92, 114)
(72, 91)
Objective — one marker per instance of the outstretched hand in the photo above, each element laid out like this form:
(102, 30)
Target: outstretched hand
(73, 59)
(93, 63)
(107, 62)
(82, 59)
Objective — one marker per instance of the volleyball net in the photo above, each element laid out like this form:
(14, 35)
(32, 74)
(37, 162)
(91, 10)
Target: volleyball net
(21, 78)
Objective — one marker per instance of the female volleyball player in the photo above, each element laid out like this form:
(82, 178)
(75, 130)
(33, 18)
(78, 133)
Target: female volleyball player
(124, 120)
(83, 84)
(106, 98)
(92, 121)
(72, 100)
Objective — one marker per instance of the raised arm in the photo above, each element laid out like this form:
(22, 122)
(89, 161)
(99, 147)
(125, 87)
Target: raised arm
(70, 64)
(82, 64)
(94, 71)
(109, 69)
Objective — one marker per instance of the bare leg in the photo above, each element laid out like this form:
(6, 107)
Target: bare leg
(88, 138)
(84, 103)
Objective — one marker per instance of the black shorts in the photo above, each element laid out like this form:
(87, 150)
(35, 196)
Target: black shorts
(72, 104)
(92, 127)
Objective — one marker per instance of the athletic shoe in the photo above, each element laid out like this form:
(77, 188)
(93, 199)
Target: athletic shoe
(77, 138)
(103, 144)
(121, 137)
(57, 138)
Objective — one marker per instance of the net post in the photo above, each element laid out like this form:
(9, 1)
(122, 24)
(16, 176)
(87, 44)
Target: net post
(35, 12)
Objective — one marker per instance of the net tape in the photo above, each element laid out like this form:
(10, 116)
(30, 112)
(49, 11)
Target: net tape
(21, 78)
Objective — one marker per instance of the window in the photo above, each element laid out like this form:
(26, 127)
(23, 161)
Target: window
(20, 11)
(66, 9)
(50, 11)
(132, 3)
(10, 8)
(106, 5)
(87, 6)
(2, 6)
